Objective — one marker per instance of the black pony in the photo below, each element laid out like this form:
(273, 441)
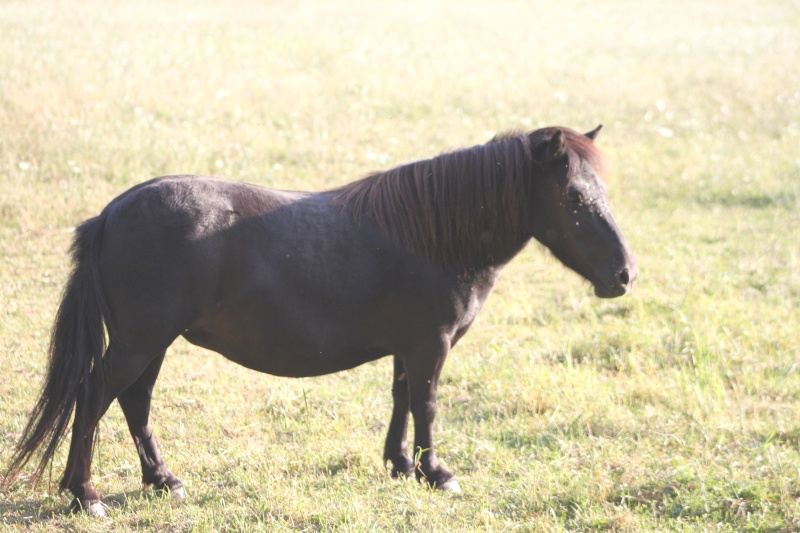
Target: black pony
(304, 284)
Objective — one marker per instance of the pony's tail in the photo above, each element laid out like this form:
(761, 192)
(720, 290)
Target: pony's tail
(77, 345)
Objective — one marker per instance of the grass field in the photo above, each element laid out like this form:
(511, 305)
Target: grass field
(676, 408)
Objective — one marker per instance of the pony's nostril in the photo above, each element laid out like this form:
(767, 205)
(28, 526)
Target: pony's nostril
(623, 277)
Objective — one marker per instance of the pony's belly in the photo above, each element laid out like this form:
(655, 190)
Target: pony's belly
(287, 359)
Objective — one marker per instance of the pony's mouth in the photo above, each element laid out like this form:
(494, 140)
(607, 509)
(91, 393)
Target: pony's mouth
(604, 291)
(621, 283)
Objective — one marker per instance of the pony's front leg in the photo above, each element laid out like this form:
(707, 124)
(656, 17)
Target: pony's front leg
(396, 448)
(423, 369)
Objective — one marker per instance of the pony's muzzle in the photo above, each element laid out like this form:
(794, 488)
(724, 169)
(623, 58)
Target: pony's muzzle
(621, 283)
(626, 277)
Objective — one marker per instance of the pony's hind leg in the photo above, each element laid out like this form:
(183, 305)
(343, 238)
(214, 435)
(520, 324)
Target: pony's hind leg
(121, 368)
(135, 403)
(396, 448)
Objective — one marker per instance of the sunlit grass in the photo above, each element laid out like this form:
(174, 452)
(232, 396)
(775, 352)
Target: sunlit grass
(675, 408)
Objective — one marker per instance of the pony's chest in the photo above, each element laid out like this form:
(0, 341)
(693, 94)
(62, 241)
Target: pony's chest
(470, 304)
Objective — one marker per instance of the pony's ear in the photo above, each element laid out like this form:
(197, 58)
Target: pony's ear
(593, 134)
(557, 146)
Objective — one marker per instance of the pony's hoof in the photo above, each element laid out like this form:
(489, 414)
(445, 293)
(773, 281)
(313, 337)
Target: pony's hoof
(93, 509)
(451, 486)
(96, 510)
(178, 494)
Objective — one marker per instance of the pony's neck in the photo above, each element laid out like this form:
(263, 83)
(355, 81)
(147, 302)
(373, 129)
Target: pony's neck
(466, 210)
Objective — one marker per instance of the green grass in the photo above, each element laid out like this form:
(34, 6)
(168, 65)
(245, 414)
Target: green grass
(676, 408)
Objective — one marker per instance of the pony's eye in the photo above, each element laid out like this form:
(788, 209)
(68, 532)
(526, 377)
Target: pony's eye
(575, 197)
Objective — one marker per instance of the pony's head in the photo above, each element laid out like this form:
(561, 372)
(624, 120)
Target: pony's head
(570, 215)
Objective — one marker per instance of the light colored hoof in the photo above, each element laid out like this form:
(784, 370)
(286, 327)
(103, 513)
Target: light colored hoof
(451, 486)
(178, 494)
(96, 510)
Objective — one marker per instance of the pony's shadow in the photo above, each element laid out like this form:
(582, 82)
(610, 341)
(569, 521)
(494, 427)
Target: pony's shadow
(31, 511)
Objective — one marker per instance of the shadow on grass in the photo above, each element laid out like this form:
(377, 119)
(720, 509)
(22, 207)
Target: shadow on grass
(678, 500)
(520, 441)
(31, 511)
(26, 513)
(789, 438)
(782, 199)
(560, 435)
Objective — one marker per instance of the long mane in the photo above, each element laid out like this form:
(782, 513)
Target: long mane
(449, 208)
